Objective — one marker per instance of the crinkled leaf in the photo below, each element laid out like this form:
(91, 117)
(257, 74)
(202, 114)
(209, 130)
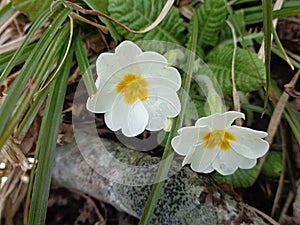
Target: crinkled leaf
(33, 8)
(97, 5)
(273, 165)
(139, 14)
(211, 20)
(238, 21)
(101, 6)
(194, 109)
(240, 179)
(196, 105)
(249, 69)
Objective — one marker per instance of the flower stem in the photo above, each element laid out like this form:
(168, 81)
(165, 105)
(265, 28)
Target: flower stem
(168, 155)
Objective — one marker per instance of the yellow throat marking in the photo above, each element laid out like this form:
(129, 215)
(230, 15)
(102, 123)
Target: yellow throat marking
(221, 138)
(133, 87)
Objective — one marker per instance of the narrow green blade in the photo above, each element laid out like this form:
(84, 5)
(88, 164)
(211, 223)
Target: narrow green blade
(47, 145)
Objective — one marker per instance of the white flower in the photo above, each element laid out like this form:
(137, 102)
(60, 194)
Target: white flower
(214, 144)
(136, 90)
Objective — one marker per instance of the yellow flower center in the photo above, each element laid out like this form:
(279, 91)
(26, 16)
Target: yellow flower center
(220, 138)
(133, 87)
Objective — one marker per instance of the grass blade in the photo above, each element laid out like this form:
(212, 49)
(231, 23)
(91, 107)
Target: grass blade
(47, 144)
(42, 71)
(17, 87)
(84, 66)
(278, 42)
(253, 15)
(31, 114)
(5, 58)
(5, 12)
(168, 152)
(40, 20)
(267, 22)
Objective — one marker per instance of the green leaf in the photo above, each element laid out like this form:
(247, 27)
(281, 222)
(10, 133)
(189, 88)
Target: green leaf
(47, 144)
(16, 89)
(42, 70)
(6, 12)
(273, 165)
(249, 69)
(101, 6)
(97, 5)
(240, 179)
(267, 27)
(168, 154)
(238, 21)
(195, 109)
(138, 14)
(19, 51)
(31, 114)
(34, 8)
(281, 48)
(211, 20)
(84, 66)
(6, 58)
(254, 14)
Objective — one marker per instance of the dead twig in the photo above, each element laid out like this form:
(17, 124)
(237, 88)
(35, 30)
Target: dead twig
(89, 201)
(4, 24)
(236, 99)
(104, 29)
(281, 179)
(270, 219)
(161, 16)
(276, 117)
(13, 45)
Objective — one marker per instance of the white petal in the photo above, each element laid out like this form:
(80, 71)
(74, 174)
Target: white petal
(115, 117)
(166, 76)
(97, 83)
(203, 158)
(226, 162)
(245, 163)
(127, 51)
(132, 119)
(248, 142)
(108, 64)
(151, 61)
(102, 101)
(137, 119)
(220, 120)
(188, 157)
(161, 104)
(258, 148)
(248, 132)
(155, 66)
(105, 62)
(186, 141)
(172, 75)
(156, 123)
(209, 169)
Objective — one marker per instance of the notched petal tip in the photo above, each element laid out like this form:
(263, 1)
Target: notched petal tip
(220, 120)
(128, 48)
(235, 114)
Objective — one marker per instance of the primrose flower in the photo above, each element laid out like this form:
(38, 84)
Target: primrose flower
(214, 144)
(136, 90)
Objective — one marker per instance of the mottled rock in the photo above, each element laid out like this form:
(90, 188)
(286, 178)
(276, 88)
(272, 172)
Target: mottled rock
(123, 178)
